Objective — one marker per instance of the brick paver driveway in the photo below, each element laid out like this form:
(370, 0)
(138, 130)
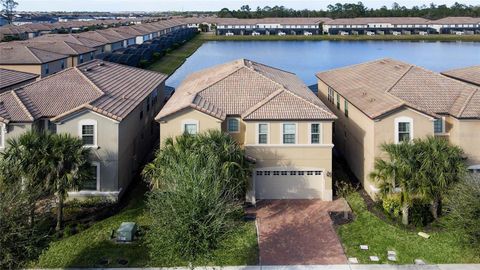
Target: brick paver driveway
(295, 232)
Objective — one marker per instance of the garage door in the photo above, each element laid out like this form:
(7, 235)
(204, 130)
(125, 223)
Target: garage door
(288, 184)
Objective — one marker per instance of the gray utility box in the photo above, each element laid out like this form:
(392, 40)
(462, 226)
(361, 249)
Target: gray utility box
(126, 231)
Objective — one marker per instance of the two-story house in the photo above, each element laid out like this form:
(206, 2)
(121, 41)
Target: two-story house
(280, 123)
(388, 101)
(111, 107)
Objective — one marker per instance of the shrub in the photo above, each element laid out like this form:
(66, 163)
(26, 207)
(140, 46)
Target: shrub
(463, 210)
(343, 189)
(420, 214)
(392, 205)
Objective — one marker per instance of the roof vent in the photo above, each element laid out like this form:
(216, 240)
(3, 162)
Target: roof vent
(87, 69)
(372, 100)
(364, 93)
(101, 64)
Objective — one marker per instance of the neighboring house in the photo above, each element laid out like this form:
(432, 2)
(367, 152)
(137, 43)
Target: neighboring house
(469, 75)
(388, 101)
(20, 57)
(111, 107)
(454, 25)
(378, 25)
(279, 122)
(112, 42)
(99, 46)
(10, 79)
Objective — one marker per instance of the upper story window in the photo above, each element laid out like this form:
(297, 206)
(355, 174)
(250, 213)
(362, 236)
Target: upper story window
(262, 134)
(346, 107)
(289, 133)
(439, 125)
(338, 101)
(233, 125)
(315, 133)
(91, 55)
(330, 94)
(2, 135)
(190, 127)
(403, 129)
(81, 59)
(88, 132)
(63, 63)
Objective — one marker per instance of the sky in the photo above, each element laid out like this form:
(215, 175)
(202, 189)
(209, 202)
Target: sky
(203, 5)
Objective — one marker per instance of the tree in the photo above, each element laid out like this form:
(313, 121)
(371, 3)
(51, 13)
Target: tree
(440, 166)
(19, 240)
(9, 9)
(70, 167)
(463, 210)
(26, 160)
(395, 175)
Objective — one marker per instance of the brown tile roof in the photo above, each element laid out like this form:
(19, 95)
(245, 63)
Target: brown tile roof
(285, 21)
(110, 89)
(72, 38)
(457, 20)
(249, 89)
(9, 78)
(468, 74)
(16, 53)
(367, 20)
(102, 36)
(381, 86)
(58, 46)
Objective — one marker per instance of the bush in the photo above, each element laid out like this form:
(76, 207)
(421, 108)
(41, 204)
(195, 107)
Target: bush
(343, 189)
(420, 214)
(392, 205)
(143, 63)
(198, 185)
(463, 210)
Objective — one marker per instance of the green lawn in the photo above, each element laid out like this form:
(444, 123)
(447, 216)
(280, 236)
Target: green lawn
(173, 60)
(380, 236)
(88, 248)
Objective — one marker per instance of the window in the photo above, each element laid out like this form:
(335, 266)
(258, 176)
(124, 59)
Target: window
(233, 125)
(403, 129)
(141, 114)
(92, 183)
(46, 68)
(338, 101)
(289, 133)
(2, 135)
(91, 55)
(346, 108)
(148, 103)
(81, 59)
(439, 125)
(330, 95)
(315, 133)
(262, 133)
(63, 63)
(88, 132)
(190, 127)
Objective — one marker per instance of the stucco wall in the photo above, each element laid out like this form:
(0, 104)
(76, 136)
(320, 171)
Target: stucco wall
(466, 134)
(35, 69)
(171, 126)
(53, 67)
(107, 141)
(14, 130)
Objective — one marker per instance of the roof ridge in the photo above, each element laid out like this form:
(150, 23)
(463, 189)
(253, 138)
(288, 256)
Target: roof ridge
(262, 102)
(220, 79)
(356, 65)
(89, 81)
(399, 79)
(467, 101)
(308, 101)
(31, 52)
(24, 108)
(260, 64)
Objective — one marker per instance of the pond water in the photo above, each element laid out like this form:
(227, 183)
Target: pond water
(305, 58)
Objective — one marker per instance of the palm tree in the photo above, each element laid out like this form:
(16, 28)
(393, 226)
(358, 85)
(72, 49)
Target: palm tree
(397, 174)
(25, 161)
(440, 165)
(70, 165)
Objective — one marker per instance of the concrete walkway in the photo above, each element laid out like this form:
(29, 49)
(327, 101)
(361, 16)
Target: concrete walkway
(321, 267)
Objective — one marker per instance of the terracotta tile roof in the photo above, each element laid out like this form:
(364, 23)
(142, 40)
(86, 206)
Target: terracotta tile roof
(16, 53)
(381, 86)
(367, 20)
(248, 89)
(110, 89)
(9, 78)
(468, 74)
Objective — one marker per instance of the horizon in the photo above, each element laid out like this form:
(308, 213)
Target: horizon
(202, 6)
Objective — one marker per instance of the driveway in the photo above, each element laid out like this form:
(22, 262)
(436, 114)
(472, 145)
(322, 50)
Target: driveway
(293, 232)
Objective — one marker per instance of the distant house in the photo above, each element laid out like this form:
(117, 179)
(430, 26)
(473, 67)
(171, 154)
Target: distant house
(388, 101)
(380, 25)
(281, 124)
(10, 79)
(110, 107)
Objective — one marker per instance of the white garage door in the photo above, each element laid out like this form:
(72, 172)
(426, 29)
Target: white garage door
(288, 184)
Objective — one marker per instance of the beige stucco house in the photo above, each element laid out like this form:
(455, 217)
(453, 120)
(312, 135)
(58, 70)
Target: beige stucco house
(111, 107)
(281, 124)
(388, 101)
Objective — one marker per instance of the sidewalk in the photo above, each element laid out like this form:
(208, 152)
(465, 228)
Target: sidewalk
(320, 267)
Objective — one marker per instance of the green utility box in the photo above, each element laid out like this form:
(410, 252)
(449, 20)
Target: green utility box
(126, 231)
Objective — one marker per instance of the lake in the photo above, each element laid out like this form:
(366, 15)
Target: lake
(305, 58)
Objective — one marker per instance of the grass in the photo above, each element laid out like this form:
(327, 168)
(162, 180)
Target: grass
(442, 246)
(343, 38)
(174, 59)
(89, 247)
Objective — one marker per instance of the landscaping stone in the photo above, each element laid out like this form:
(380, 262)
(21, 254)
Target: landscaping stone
(419, 262)
(391, 252)
(363, 247)
(424, 235)
(392, 258)
(353, 260)
(374, 258)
